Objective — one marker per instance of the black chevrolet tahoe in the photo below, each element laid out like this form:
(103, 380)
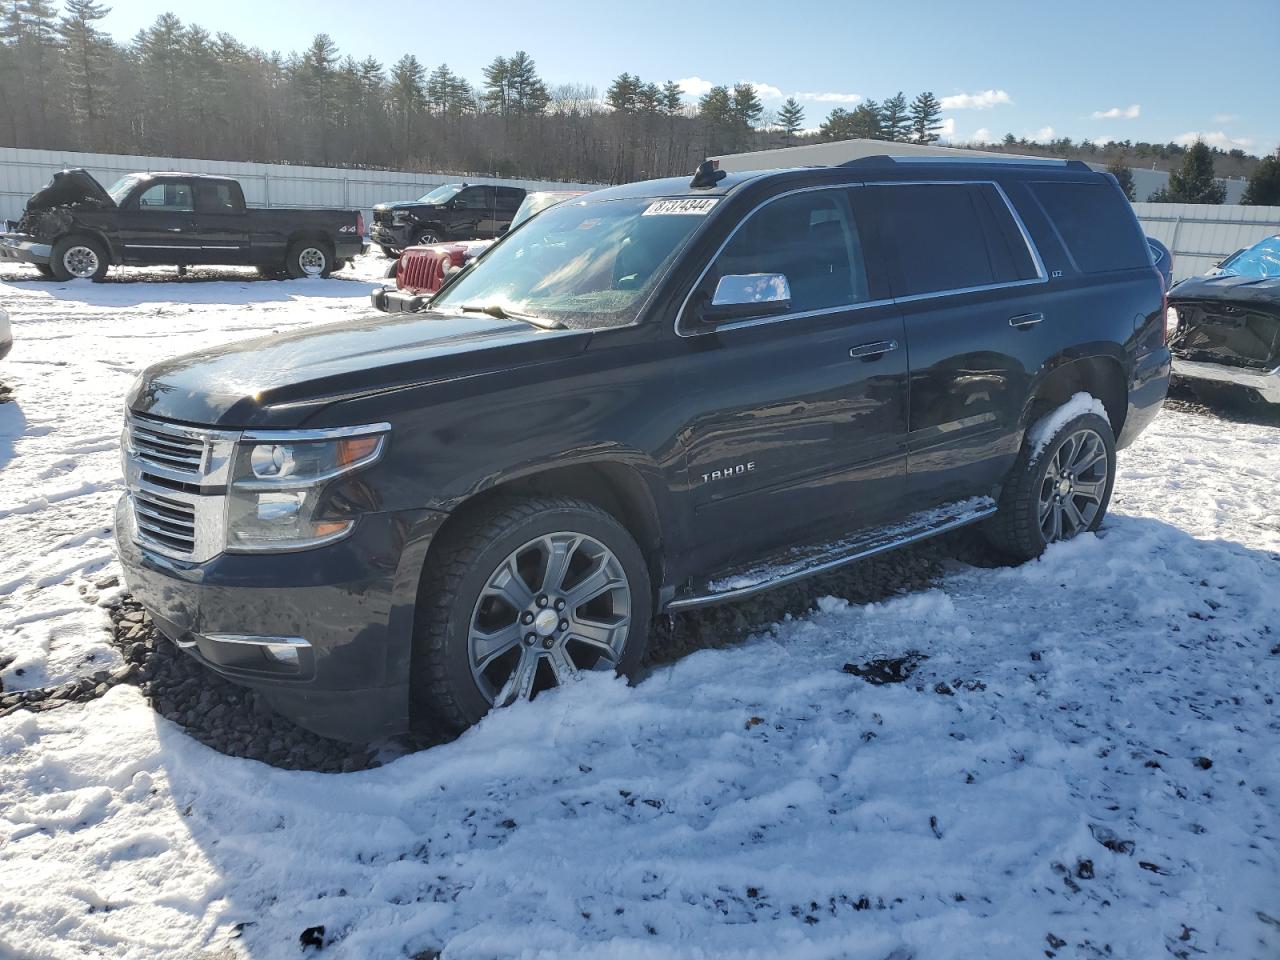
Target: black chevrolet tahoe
(452, 211)
(73, 227)
(653, 397)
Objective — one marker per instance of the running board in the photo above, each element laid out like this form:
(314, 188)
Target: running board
(796, 563)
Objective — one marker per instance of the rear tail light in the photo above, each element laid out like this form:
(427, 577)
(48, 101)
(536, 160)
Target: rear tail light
(359, 223)
(1170, 314)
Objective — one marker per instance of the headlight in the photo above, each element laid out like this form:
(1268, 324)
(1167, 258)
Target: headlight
(1171, 321)
(277, 481)
(399, 216)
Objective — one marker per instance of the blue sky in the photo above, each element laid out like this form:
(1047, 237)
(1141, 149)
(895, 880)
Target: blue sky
(1122, 69)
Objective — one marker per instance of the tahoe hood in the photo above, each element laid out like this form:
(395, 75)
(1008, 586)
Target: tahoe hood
(281, 380)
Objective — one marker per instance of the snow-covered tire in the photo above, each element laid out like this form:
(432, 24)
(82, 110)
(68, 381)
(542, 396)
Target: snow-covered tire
(79, 257)
(462, 614)
(1058, 474)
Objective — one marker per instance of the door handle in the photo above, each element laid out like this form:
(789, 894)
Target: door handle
(873, 351)
(1024, 320)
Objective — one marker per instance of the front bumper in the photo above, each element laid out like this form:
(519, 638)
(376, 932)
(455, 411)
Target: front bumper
(1265, 382)
(22, 248)
(397, 238)
(346, 609)
(394, 300)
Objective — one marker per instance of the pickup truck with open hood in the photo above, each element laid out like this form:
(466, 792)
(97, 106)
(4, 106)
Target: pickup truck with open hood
(75, 228)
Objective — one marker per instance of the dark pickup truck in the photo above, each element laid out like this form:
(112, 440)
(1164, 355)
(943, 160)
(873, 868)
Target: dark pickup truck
(73, 228)
(659, 396)
(452, 211)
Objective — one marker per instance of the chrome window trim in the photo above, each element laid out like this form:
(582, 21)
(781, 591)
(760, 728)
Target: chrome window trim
(1042, 275)
(1011, 161)
(257, 641)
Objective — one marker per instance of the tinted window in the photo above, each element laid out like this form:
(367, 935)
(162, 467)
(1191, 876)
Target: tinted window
(934, 237)
(216, 198)
(166, 197)
(474, 198)
(809, 237)
(509, 198)
(1011, 258)
(1096, 224)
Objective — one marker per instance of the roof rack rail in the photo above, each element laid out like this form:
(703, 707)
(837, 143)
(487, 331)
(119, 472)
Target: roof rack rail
(884, 159)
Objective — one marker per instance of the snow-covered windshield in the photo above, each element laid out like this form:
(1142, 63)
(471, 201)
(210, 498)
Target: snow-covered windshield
(1262, 260)
(120, 189)
(441, 194)
(579, 264)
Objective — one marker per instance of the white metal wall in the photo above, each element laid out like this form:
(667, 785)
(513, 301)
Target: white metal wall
(1201, 234)
(23, 172)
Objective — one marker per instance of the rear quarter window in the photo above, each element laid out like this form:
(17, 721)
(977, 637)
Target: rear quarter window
(1095, 223)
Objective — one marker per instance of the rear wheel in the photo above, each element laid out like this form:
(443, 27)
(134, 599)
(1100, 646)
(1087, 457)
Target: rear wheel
(44, 270)
(1057, 491)
(527, 596)
(82, 258)
(307, 259)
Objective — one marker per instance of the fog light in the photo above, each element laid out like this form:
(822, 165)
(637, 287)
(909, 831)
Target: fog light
(285, 654)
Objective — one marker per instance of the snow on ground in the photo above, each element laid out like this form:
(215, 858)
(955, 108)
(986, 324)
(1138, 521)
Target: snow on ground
(1086, 765)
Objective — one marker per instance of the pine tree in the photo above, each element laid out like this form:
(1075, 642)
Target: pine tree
(715, 110)
(1264, 186)
(406, 96)
(87, 51)
(672, 99)
(790, 119)
(865, 121)
(497, 85)
(529, 95)
(1193, 182)
(1124, 176)
(894, 119)
(926, 118)
(622, 93)
(747, 108)
(839, 125)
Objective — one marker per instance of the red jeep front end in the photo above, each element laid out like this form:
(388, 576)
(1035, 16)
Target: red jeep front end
(421, 271)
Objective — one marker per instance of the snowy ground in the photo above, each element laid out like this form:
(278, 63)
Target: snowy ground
(1086, 765)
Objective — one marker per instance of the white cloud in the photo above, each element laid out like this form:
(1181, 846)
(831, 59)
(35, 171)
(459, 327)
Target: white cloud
(766, 91)
(829, 97)
(1130, 112)
(975, 101)
(1226, 117)
(1214, 139)
(695, 86)
(947, 131)
(1043, 135)
(981, 135)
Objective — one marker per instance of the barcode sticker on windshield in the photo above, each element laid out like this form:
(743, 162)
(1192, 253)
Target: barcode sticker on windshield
(699, 207)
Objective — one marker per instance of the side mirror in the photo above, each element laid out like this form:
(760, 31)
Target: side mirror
(744, 295)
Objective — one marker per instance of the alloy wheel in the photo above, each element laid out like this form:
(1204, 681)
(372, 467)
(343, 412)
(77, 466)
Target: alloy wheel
(1073, 487)
(556, 606)
(312, 261)
(80, 261)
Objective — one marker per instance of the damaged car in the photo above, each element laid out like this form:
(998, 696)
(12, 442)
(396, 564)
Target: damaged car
(73, 228)
(1224, 327)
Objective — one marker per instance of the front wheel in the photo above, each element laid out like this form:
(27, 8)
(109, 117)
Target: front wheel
(308, 259)
(425, 238)
(82, 258)
(526, 596)
(1059, 487)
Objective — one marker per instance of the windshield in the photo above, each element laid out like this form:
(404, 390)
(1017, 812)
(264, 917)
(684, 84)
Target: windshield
(441, 194)
(120, 189)
(579, 264)
(536, 203)
(1262, 260)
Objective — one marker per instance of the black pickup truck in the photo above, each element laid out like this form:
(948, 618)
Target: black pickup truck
(661, 395)
(452, 211)
(72, 227)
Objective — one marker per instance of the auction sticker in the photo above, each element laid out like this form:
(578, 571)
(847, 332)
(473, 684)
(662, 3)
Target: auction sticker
(696, 207)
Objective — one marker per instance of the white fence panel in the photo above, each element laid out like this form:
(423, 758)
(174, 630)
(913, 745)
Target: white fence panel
(1201, 234)
(23, 172)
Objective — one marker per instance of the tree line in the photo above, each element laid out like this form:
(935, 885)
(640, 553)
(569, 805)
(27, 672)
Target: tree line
(175, 89)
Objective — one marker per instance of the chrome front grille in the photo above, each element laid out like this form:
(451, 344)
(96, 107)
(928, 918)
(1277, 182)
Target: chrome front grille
(165, 521)
(175, 477)
(157, 444)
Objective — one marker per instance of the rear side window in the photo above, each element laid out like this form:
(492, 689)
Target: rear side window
(810, 238)
(1096, 225)
(215, 198)
(1011, 258)
(934, 237)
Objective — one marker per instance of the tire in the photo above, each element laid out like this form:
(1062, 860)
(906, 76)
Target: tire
(308, 259)
(269, 273)
(1082, 455)
(461, 597)
(44, 270)
(388, 251)
(424, 237)
(78, 257)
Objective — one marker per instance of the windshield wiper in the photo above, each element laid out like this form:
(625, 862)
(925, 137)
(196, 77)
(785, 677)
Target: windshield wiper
(498, 312)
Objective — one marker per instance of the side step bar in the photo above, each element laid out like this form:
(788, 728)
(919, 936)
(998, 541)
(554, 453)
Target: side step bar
(796, 565)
